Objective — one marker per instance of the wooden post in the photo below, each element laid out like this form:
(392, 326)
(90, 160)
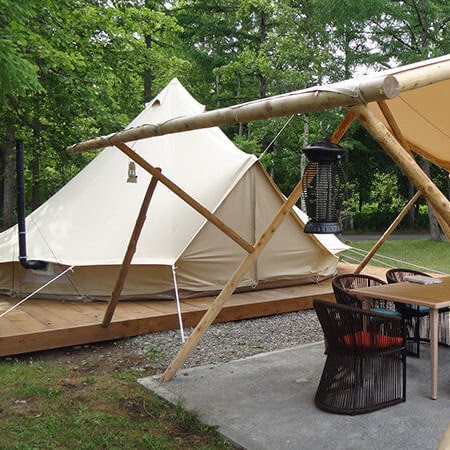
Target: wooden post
(186, 197)
(388, 232)
(130, 252)
(343, 127)
(229, 288)
(404, 160)
(307, 100)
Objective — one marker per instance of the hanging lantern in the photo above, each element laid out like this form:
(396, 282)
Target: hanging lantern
(132, 177)
(323, 194)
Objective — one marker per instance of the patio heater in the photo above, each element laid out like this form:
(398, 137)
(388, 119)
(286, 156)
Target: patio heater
(323, 195)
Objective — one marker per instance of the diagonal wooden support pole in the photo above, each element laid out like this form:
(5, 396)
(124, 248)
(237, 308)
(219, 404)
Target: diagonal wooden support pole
(232, 234)
(388, 232)
(215, 308)
(130, 252)
(405, 161)
(343, 127)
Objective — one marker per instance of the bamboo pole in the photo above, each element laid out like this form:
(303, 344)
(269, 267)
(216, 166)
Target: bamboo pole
(388, 232)
(308, 100)
(120, 282)
(232, 283)
(404, 160)
(232, 234)
(432, 71)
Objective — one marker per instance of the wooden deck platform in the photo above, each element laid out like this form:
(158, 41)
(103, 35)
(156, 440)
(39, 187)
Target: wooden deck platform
(40, 324)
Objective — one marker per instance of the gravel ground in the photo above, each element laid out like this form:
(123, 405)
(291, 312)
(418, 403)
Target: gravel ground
(228, 341)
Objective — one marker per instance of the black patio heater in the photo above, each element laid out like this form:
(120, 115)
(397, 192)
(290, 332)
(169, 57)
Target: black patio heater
(323, 195)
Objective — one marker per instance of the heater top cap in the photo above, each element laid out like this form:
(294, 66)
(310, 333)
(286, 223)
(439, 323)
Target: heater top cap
(324, 151)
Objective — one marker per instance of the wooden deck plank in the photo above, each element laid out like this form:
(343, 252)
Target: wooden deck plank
(46, 324)
(22, 321)
(53, 324)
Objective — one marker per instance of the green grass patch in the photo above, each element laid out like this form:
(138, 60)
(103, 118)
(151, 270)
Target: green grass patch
(47, 406)
(424, 254)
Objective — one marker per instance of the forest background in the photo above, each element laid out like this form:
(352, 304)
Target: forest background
(71, 70)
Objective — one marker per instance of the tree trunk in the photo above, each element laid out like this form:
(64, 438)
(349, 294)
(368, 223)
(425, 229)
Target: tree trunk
(148, 74)
(262, 40)
(274, 155)
(36, 186)
(435, 230)
(9, 178)
(217, 84)
(238, 93)
(410, 217)
(2, 174)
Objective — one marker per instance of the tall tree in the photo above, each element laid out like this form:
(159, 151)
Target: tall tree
(409, 31)
(18, 74)
(89, 58)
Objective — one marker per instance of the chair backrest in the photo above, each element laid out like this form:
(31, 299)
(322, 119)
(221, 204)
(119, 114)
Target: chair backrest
(398, 275)
(342, 284)
(349, 329)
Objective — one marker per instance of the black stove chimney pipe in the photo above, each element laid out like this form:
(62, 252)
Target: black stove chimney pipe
(21, 212)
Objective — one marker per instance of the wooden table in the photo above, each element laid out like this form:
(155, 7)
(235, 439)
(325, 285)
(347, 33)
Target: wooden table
(434, 296)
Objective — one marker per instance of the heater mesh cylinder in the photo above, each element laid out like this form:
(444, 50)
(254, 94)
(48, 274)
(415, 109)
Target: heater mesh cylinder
(323, 196)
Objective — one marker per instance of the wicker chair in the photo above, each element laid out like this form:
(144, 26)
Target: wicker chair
(343, 284)
(418, 317)
(365, 367)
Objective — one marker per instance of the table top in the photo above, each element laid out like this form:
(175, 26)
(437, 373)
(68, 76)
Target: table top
(432, 295)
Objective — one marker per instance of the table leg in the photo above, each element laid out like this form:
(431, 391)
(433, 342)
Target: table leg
(434, 322)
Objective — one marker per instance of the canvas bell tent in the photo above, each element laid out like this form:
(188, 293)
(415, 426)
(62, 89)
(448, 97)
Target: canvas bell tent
(87, 224)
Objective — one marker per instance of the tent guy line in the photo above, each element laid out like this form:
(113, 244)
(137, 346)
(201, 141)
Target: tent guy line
(35, 292)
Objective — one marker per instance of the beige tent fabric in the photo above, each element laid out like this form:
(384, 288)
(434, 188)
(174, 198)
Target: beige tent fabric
(88, 223)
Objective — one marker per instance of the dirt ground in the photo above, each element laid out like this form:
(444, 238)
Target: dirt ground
(103, 357)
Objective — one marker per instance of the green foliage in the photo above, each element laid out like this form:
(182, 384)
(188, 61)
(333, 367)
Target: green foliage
(18, 73)
(89, 62)
(154, 353)
(72, 70)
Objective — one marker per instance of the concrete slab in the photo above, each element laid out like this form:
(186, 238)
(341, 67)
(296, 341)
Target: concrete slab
(267, 402)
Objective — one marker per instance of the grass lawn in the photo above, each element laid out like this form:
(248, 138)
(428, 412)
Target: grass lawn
(48, 405)
(425, 255)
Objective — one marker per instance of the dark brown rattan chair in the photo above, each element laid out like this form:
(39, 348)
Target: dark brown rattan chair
(418, 317)
(365, 367)
(343, 284)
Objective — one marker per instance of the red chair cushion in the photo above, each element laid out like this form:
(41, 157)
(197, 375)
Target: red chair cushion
(367, 339)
